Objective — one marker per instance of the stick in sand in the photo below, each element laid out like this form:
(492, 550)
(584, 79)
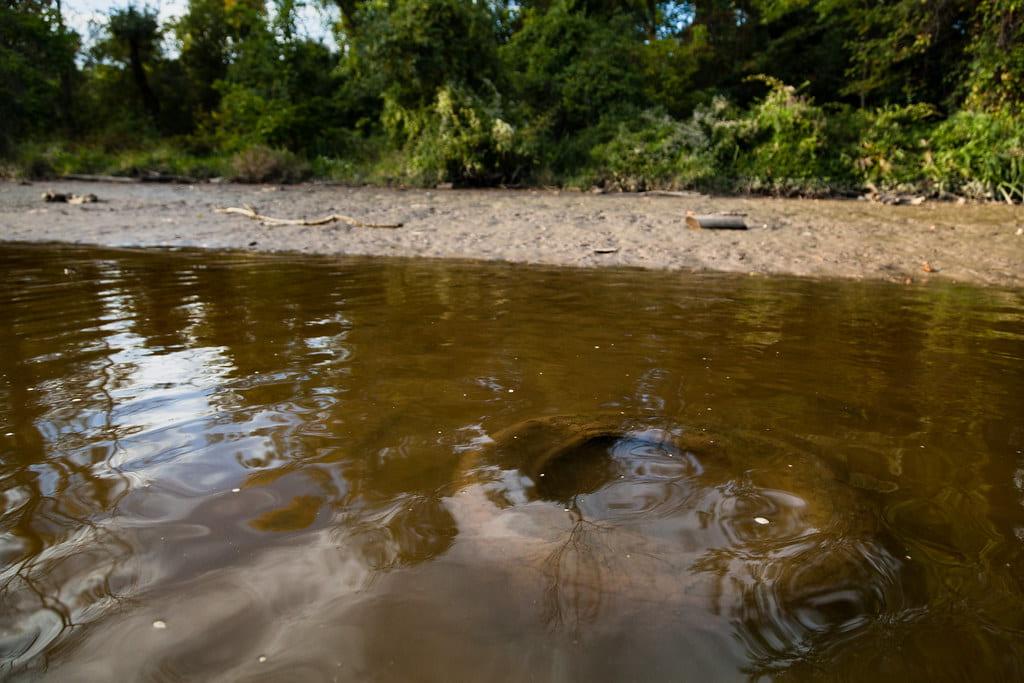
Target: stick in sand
(249, 212)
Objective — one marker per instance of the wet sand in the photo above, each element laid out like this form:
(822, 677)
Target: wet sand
(980, 244)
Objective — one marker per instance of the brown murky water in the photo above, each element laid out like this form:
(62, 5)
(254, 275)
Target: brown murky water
(225, 467)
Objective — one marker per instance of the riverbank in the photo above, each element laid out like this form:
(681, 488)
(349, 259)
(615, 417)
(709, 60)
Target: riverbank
(975, 243)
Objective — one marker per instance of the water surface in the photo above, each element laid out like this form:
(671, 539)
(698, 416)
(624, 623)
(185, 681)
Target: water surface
(232, 467)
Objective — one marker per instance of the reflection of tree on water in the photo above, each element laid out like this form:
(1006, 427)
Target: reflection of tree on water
(575, 563)
(335, 388)
(57, 483)
(795, 561)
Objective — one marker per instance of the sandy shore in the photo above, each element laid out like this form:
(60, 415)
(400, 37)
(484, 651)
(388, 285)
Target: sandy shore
(981, 244)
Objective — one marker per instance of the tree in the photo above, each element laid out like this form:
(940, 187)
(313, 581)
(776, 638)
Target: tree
(37, 64)
(995, 79)
(411, 48)
(203, 33)
(133, 39)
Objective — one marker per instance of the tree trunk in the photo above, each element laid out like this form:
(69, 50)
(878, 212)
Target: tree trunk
(149, 100)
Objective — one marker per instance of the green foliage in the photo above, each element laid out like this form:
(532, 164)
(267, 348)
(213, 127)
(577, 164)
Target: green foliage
(784, 140)
(996, 77)
(36, 62)
(921, 96)
(132, 38)
(461, 138)
(903, 50)
(891, 145)
(409, 49)
(50, 160)
(569, 69)
(653, 150)
(203, 33)
(979, 154)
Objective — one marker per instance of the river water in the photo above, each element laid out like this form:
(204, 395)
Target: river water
(239, 468)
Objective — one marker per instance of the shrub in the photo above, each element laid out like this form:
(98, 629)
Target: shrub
(784, 143)
(260, 164)
(891, 145)
(653, 150)
(979, 154)
(461, 138)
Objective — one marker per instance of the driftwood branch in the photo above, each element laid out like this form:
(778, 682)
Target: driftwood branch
(249, 212)
(671, 193)
(716, 221)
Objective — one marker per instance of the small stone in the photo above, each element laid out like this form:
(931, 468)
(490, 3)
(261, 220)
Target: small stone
(159, 625)
(761, 520)
(262, 659)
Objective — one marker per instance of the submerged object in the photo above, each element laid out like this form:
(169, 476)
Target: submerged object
(593, 517)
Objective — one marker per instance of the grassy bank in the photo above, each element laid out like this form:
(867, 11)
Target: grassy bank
(783, 144)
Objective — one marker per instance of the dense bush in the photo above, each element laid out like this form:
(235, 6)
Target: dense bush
(461, 138)
(979, 154)
(261, 164)
(891, 145)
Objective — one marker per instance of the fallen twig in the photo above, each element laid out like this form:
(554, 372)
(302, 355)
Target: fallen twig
(249, 212)
(670, 193)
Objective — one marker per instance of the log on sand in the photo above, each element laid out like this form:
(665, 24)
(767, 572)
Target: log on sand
(715, 221)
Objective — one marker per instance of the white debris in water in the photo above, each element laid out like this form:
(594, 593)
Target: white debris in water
(159, 625)
(511, 391)
(9, 434)
(761, 520)
(262, 659)
(235, 490)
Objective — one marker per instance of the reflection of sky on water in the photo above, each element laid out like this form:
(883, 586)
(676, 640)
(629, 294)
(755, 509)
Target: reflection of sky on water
(230, 446)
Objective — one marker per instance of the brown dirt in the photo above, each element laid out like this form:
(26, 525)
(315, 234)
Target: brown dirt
(974, 243)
